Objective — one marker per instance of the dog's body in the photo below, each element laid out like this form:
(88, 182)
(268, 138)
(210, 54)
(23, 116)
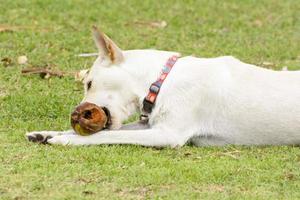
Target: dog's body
(214, 101)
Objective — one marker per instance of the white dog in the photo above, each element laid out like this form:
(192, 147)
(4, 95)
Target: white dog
(203, 101)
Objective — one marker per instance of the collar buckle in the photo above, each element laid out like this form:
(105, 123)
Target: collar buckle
(149, 100)
(147, 106)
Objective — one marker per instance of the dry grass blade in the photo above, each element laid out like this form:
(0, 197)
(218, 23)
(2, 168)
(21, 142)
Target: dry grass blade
(6, 28)
(152, 24)
(229, 155)
(10, 28)
(232, 154)
(268, 65)
(88, 54)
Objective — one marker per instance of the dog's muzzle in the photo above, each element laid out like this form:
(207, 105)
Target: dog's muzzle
(88, 118)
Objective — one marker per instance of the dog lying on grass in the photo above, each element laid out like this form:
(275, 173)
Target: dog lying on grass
(203, 101)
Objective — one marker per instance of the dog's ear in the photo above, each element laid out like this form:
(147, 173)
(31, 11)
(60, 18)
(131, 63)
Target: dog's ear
(107, 48)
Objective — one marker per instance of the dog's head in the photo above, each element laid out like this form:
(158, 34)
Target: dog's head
(107, 89)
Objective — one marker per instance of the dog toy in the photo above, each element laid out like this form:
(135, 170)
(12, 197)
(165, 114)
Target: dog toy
(88, 118)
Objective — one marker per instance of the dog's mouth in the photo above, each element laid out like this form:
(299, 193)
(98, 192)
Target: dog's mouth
(108, 123)
(88, 118)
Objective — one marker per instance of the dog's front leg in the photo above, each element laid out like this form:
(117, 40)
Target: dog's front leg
(43, 136)
(149, 137)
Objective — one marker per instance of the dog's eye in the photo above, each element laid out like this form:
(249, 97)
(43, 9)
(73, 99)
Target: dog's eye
(89, 85)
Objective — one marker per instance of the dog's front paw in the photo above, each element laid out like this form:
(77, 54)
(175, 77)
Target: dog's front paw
(67, 140)
(39, 136)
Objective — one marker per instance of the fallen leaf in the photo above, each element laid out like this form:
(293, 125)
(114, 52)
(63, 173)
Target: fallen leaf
(6, 61)
(187, 154)
(22, 60)
(258, 23)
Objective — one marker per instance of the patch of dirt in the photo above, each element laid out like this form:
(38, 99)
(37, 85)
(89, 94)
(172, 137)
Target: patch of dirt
(137, 193)
(209, 188)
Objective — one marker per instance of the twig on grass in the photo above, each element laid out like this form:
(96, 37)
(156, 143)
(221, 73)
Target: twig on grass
(45, 72)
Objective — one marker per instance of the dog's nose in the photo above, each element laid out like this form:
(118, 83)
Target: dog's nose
(88, 118)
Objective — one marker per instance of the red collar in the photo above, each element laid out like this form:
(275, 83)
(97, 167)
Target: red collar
(150, 99)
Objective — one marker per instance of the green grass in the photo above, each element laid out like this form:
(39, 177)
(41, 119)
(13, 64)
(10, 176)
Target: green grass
(254, 31)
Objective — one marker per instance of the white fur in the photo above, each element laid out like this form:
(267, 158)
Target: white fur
(204, 101)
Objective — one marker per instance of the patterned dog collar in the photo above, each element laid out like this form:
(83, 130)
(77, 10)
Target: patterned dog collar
(150, 99)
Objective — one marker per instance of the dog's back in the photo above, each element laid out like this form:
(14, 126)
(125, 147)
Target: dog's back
(267, 106)
(235, 102)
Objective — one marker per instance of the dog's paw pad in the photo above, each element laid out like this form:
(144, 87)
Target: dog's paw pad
(31, 138)
(38, 138)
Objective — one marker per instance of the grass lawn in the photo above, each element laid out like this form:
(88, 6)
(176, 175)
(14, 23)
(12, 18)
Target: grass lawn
(53, 32)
